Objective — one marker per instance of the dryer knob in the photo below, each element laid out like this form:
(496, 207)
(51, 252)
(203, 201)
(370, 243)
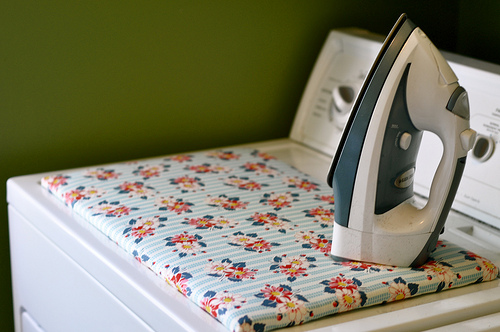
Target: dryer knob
(483, 148)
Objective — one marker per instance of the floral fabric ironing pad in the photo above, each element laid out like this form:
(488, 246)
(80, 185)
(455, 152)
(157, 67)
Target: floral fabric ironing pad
(246, 237)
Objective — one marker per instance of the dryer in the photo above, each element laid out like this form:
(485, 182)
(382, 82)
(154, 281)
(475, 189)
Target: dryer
(68, 276)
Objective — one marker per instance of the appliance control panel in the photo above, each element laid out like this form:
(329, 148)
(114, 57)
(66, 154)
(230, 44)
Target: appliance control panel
(479, 191)
(339, 72)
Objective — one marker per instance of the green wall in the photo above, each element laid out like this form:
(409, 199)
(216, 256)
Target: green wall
(88, 82)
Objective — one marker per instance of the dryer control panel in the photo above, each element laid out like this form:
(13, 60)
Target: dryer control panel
(339, 72)
(344, 61)
(479, 189)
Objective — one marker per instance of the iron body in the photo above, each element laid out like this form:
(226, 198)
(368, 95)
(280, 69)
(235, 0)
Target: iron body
(410, 89)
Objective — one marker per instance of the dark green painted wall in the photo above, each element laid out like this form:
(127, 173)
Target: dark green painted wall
(88, 82)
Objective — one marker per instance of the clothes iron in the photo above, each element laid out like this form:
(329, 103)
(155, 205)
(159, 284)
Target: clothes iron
(409, 89)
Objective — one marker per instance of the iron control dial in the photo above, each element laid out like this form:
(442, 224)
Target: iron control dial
(405, 140)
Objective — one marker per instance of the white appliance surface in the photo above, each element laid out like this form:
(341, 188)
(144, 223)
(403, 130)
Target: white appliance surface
(81, 281)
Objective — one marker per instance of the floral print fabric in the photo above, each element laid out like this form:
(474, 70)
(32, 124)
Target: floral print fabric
(246, 237)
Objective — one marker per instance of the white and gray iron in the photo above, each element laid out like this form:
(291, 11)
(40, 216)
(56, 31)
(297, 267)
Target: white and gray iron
(410, 89)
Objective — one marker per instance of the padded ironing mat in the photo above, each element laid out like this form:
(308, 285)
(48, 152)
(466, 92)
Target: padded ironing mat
(246, 237)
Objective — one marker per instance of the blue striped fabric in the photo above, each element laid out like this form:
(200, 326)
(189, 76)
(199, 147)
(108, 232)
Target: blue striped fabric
(246, 237)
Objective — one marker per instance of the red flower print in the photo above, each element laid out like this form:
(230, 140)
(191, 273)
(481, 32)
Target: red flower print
(72, 196)
(218, 268)
(223, 222)
(188, 247)
(251, 242)
(235, 181)
(242, 239)
(185, 244)
(232, 271)
(187, 183)
(106, 175)
(137, 189)
(179, 282)
(250, 185)
(356, 265)
(180, 158)
(294, 309)
(184, 179)
(279, 201)
(308, 186)
(293, 266)
(227, 156)
(259, 169)
(296, 182)
(233, 204)
(254, 166)
(238, 272)
(111, 210)
(93, 192)
(209, 222)
(120, 211)
(209, 306)
(180, 238)
(53, 182)
(276, 294)
(243, 183)
(174, 205)
(296, 261)
(228, 300)
(142, 231)
(179, 207)
(441, 271)
(207, 168)
(324, 216)
(104, 208)
(202, 222)
(265, 156)
(270, 219)
(325, 220)
(305, 237)
(200, 168)
(264, 217)
(323, 245)
(175, 277)
(398, 291)
(319, 211)
(131, 186)
(149, 172)
(490, 270)
(293, 270)
(101, 174)
(220, 169)
(341, 282)
(142, 228)
(259, 245)
(223, 155)
(216, 201)
(348, 299)
(313, 241)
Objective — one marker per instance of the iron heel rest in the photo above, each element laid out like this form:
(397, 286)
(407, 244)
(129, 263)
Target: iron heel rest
(410, 88)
